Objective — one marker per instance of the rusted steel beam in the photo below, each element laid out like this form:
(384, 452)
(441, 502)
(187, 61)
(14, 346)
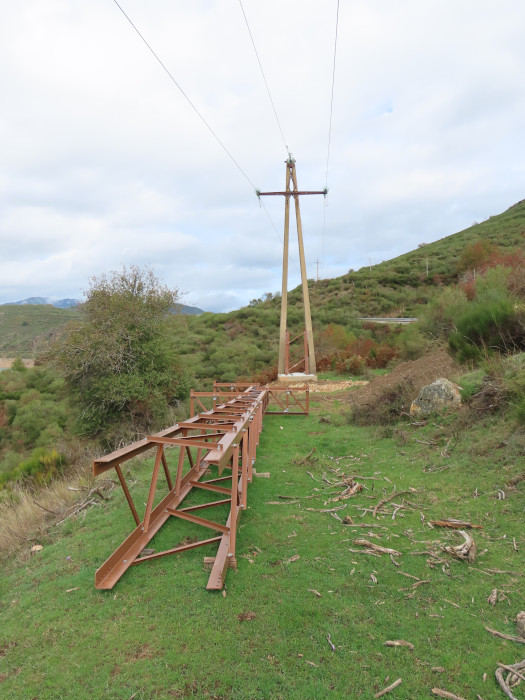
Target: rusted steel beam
(222, 447)
(198, 521)
(152, 488)
(124, 556)
(102, 464)
(176, 550)
(201, 506)
(127, 493)
(211, 487)
(192, 441)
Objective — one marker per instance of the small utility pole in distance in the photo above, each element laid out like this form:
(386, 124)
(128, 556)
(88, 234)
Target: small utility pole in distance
(291, 177)
(317, 263)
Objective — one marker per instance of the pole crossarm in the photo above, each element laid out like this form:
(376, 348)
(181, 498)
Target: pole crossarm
(292, 193)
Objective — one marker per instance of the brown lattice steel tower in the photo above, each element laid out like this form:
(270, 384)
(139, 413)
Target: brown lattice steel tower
(292, 190)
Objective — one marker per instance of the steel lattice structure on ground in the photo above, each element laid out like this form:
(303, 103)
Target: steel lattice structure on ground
(224, 436)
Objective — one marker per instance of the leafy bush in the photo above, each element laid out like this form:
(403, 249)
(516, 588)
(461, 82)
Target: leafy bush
(121, 362)
(492, 322)
(41, 466)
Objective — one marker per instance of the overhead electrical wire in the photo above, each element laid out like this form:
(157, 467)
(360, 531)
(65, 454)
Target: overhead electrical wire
(197, 112)
(330, 123)
(186, 97)
(332, 94)
(264, 78)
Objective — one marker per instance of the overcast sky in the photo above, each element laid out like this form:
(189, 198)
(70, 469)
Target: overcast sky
(103, 162)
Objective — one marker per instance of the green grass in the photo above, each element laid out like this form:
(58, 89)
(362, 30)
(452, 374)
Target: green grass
(23, 328)
(159, 633)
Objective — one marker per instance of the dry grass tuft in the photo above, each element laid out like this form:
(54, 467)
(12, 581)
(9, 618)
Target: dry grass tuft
(26, 513)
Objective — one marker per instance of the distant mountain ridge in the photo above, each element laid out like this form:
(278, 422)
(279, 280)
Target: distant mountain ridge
(71, 303)
(36, 301)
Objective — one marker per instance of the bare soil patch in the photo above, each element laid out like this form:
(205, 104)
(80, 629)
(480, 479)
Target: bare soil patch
(415, 373)
(6, 362)
(418, 372)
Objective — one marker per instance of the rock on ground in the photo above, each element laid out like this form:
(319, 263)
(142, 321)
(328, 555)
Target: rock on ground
(436, 397)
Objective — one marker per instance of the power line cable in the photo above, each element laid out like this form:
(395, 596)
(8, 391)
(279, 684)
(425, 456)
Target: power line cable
(264, 77)
(330, 122)
(332, 95)
(186, 97)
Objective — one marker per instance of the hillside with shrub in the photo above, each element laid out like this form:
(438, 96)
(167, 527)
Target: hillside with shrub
(244, 343)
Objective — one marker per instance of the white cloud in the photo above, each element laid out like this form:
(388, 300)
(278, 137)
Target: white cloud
(104, 162)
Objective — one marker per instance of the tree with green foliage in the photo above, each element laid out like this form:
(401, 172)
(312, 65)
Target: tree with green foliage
(120, 361)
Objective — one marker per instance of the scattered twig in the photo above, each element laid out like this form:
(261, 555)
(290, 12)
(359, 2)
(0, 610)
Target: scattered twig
(53, 512)
(384, 501)
(364, 551)
(415, 585)
(388, 688)
(416, 578)
(493, 597)
(332, 645)
(308, 459)
(296, 498)
(445, 694)
(295, 557)
(316, 593)
(281, 503)
(326, 510)
(455, 524)
(398, 643)
(312, 476)
(377, 548)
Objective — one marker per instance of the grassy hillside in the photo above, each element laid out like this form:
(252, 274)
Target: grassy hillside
(159, 633)
(244, 342)
(24, 328)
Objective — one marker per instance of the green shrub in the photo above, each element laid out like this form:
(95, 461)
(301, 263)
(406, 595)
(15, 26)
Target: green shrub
(489, 325)
(42, 466)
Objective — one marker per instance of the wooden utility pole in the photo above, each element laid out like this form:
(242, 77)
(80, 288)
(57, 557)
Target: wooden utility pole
(291, 178)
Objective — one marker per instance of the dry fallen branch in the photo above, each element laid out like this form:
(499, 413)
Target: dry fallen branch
(384, 501)
(326, 510)
(281, 503)
(377, 548)
(514, 671)
(415, 585)
(455, 524)
(466, 551)
(388, 688)
(308, 459)
(495, 633)
(351, 490)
